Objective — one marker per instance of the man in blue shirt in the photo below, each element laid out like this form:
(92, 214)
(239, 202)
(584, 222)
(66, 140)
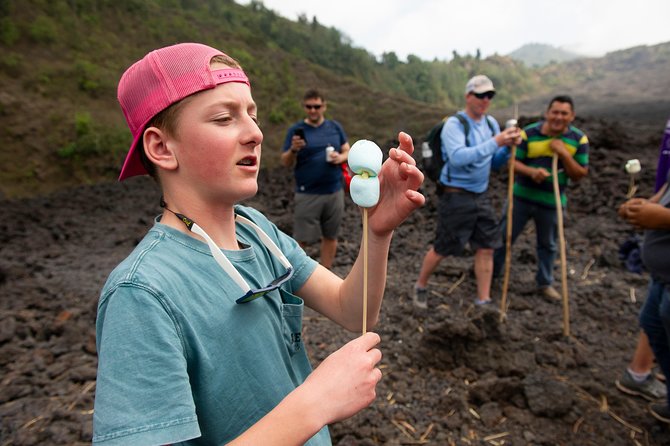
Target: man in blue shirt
(465, 213)
(316, 147)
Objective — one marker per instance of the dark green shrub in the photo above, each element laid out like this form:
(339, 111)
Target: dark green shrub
(43, 30)
(11, 63)
(9, 32)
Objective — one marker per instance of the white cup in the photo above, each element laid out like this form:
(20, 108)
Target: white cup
(329, 153)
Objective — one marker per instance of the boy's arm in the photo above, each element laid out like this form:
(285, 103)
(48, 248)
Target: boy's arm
(342, 385)
(342, 300)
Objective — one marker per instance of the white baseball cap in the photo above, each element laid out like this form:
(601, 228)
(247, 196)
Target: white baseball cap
(479, 84)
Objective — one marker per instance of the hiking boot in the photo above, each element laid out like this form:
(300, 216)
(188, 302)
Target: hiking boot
(660, 411)
(550, 292)
(420, 298)
(650, 389)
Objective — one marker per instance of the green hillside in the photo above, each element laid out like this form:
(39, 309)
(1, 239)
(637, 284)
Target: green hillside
(60, 61)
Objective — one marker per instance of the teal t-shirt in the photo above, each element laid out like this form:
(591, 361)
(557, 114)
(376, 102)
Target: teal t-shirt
(178, 359)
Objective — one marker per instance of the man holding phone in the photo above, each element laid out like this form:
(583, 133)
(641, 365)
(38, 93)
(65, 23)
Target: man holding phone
(316, 147)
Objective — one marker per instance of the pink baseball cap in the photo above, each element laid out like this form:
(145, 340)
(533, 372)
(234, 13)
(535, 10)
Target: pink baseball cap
(163, 77)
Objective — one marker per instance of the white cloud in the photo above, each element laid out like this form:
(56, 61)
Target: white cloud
(434, 28)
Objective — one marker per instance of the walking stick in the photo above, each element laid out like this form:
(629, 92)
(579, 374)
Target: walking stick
(561, 237)
(508, 235)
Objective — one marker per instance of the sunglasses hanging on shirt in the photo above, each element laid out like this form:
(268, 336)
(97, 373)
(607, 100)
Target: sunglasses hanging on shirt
(249, 293)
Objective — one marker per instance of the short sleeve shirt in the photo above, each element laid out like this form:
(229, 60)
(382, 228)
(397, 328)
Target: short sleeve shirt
(313, 174)
(534, 151)
(179, 361)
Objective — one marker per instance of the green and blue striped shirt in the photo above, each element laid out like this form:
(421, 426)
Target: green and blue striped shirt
(534, 151)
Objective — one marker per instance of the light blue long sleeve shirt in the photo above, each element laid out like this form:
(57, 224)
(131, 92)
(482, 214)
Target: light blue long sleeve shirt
(469, 167)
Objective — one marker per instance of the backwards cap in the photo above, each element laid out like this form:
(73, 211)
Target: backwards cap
(163, 77)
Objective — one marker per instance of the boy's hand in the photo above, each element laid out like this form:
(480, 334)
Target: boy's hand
(399, 180)
(344, 383)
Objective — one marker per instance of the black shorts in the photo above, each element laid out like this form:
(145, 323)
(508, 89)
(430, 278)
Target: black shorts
(465, 217)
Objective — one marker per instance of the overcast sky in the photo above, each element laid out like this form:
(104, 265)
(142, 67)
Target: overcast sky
(434, 28)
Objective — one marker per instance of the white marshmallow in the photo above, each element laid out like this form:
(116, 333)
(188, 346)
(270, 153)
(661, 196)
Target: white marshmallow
(364, 191)
(511, 123)
(365, 156)
(365, 160)
(633, 166)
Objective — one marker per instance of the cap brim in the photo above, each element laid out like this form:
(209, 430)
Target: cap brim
(133, 166)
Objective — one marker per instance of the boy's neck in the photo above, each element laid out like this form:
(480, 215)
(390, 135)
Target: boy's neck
(220, 226)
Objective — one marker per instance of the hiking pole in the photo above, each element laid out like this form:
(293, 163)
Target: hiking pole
(508, 235)
(561, 237)
(632, 167)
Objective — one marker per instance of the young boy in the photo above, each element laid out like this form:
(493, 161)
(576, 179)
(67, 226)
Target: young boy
(198, 330)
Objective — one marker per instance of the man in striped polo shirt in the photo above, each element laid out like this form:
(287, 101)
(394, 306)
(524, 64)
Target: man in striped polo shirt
(533, 190)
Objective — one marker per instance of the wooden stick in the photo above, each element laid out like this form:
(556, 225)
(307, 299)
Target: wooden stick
(508, 235)
(632, 188)
(365, 270)
(561, 237)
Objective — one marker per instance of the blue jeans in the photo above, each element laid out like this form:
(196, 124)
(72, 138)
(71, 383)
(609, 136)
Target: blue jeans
(546, 228)
(655, 321)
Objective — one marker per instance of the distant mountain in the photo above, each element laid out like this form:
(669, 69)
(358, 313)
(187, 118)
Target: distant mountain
(540, 54)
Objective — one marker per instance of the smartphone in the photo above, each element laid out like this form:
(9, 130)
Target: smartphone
(300, 133)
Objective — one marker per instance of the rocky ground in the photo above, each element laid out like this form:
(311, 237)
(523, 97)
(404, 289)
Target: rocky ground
(452, 375)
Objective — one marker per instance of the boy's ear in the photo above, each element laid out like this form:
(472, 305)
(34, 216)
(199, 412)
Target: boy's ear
(158, 150)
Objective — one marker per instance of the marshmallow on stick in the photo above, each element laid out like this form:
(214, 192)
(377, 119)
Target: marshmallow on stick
(633, 167)
(365, 160)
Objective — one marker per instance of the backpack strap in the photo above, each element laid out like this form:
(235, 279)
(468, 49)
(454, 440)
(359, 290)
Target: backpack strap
(466, 126)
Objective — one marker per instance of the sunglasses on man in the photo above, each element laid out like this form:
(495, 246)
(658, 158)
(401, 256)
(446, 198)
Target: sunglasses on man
(485, 95)
(313, 107)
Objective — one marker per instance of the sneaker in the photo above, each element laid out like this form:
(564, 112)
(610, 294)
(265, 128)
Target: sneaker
(420, 298)
(650, 389)
(660, 411)
(483, 302)
(551, 292)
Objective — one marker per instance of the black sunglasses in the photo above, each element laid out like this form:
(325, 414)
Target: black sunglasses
(486, 94)
(313, 107)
